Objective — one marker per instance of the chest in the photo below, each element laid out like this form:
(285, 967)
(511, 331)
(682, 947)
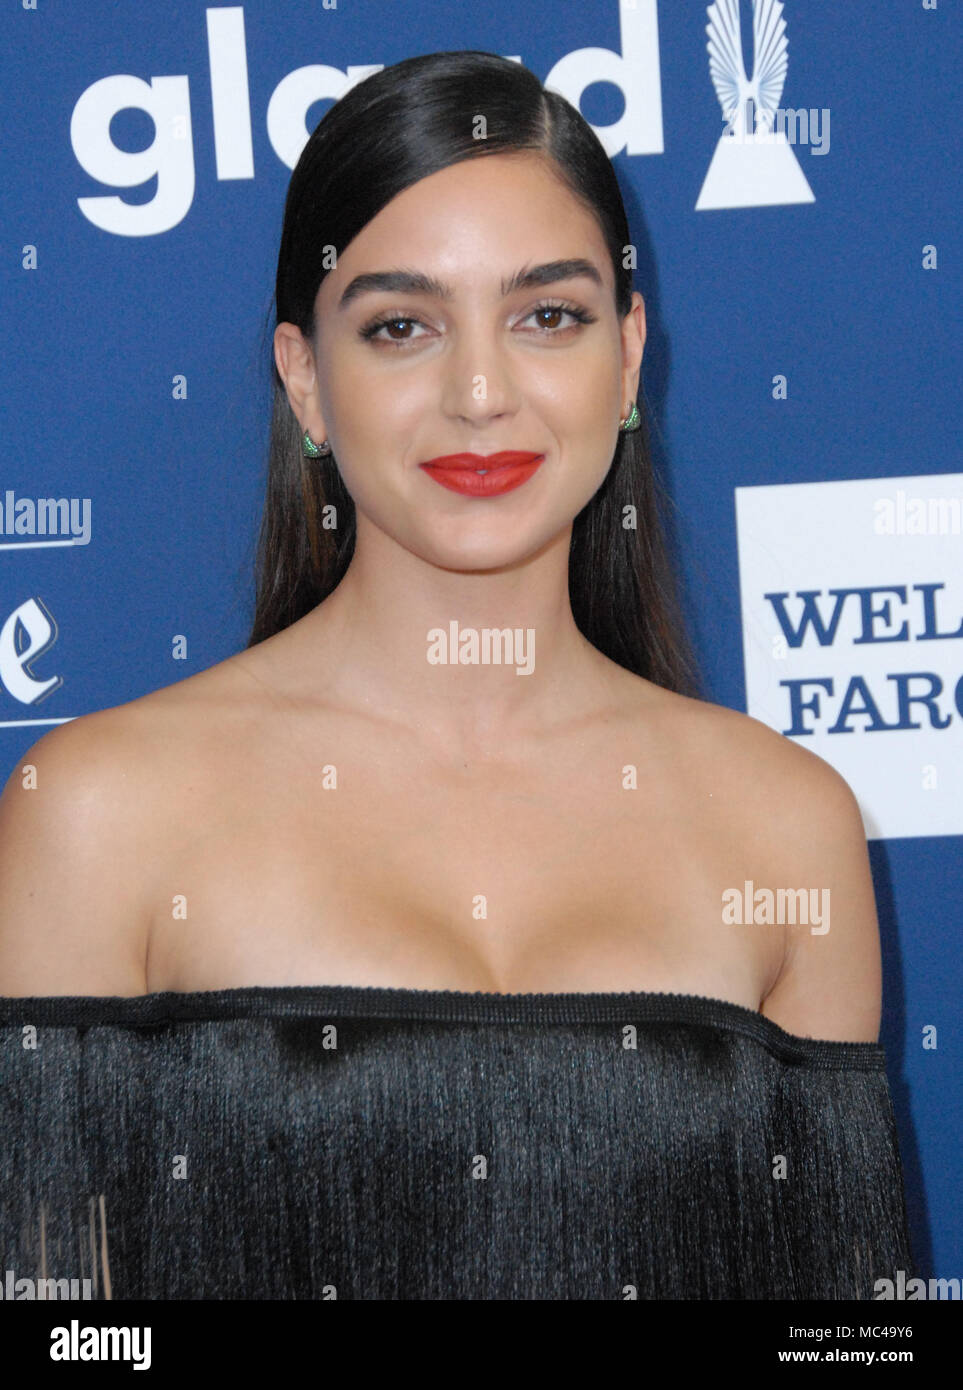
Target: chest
(564, 875)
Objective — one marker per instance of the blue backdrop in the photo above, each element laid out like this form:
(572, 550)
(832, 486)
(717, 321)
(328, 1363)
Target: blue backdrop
(803, 329)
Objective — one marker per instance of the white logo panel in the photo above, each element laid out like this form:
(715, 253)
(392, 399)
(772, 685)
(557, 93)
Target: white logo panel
(852, 622)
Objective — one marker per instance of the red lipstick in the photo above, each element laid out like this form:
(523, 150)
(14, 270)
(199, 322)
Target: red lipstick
(478, 475)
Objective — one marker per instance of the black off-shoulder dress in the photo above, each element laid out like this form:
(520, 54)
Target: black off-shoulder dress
(366, 1143)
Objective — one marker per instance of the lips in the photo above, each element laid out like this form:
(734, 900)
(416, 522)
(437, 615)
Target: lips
(481, 462)
(483, 475)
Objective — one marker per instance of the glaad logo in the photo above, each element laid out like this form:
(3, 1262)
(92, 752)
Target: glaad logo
(754, 164)
(169, 158)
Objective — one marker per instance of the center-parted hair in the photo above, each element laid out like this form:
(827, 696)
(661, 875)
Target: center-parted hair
(391, 130)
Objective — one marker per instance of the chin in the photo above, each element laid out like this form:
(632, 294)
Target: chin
(473, 559)
(481, 557)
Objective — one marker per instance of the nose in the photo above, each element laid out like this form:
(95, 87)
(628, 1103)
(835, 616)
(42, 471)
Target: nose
(479, 383)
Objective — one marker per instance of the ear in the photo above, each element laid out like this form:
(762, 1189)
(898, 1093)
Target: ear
(633, 345)
(298, 370)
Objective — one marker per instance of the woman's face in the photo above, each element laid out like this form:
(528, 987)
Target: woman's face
(399, 378)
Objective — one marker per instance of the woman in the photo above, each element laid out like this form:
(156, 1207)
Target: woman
(430, 922)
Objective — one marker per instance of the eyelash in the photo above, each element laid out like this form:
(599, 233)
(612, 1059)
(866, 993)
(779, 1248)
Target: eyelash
(581, 315)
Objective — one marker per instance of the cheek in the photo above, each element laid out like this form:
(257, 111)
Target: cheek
(376, 418)
(585, 415)
(582, 387)
(381, 407)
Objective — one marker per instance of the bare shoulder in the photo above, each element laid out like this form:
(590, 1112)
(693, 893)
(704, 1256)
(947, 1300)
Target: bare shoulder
(81, 823)
(798, 819)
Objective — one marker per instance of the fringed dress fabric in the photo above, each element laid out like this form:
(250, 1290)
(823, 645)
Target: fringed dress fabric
(364, 1143)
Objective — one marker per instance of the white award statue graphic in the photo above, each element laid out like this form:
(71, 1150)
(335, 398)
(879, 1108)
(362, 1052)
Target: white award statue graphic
(754, 164)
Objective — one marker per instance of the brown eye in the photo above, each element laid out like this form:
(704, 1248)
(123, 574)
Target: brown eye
(554, 311)
(374, 331)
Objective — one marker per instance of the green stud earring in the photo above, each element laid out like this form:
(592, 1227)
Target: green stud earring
(632, 421)
(310, 450)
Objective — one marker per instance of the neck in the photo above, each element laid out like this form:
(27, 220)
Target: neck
(468, 660)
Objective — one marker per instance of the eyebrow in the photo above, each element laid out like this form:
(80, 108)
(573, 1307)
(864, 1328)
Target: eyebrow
(416, 282)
